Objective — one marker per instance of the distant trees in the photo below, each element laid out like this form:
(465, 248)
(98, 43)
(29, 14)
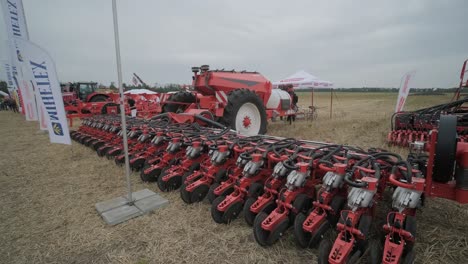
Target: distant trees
(384, 90)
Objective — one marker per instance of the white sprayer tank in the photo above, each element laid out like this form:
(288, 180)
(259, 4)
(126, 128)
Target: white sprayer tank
(279, 99)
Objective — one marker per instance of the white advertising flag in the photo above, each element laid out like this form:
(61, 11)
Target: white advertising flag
(404, 90)
(8, 69)
(45, 81)
(16, 29)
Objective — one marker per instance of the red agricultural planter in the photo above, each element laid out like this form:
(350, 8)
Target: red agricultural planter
(249, 185)
(294, 198)
(196, 152)
(275, 185)
(196, 186)
(240, 146)
(411, 126)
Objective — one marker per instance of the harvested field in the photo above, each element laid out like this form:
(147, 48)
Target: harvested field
(48, 192)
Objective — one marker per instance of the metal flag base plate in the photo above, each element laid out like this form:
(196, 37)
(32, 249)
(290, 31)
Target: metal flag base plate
(119, 210)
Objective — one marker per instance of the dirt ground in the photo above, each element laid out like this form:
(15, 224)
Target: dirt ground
(48, 192)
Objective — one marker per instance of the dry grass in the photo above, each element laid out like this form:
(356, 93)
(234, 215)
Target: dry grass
(48, 192)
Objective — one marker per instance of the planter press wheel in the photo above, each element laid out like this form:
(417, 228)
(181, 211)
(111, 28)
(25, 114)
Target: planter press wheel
(102, 151)
(98, 144)
(302, 237)
(184, 195)
(215, 213)
(375, 252)
(199, 193)
(137, 164)
(232, 212)
(150, 177)
(324, 251)
(172, 184)
(249, 216)
(211, 195)
(445, 149)
(265, 237)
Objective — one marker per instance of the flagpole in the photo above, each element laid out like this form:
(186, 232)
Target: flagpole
(122, 109)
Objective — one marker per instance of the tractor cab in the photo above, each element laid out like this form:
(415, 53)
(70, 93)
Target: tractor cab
(84, 89)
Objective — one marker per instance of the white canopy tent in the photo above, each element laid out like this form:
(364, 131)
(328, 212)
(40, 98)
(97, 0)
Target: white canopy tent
(303, 80)
(140, 91)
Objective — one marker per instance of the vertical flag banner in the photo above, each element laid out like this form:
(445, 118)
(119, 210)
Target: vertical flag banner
(45, 81)
(16, 29)
(404, 90)
(8, 69)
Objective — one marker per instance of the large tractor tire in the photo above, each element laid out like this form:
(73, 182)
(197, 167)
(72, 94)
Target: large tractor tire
(445, 149)
(99, 98)
(180, 97)
(245, 113)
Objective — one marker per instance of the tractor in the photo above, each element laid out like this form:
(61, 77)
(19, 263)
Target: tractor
(241, 100)
(82, 98)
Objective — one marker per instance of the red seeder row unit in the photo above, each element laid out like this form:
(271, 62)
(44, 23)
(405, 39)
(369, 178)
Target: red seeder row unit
(281, 185)
(408, 127)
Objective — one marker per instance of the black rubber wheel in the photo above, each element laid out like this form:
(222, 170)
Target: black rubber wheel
(232, 212)
(102, 151)
(195, 166)
(120, 160)
(324, 251)
(445, 149)
(364, 226)
(199, 193)
(337, 204)
(99, 98)
(172, 184)
(220, 176)
(179, 97)
(113, 153)
(261, 235)
(255, 190)
(410, 226)
(137, 164)
(278, 232)
(236, 100)
(90, 143)
(375, 252)
(104, 108)
(150, 177)
(249, 216)
(98, 144)
(302, 203)
(184, 194)
(409, 258)
(302, 237)
(211, 196)
(318, 234)
(215, 213)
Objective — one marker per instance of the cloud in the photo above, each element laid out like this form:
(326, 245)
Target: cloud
(353, 44)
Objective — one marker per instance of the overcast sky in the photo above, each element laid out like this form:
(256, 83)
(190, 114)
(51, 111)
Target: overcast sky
(351, 43)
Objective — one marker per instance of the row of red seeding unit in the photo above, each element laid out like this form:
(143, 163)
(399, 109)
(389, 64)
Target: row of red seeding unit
(281, 185)
(411, 126)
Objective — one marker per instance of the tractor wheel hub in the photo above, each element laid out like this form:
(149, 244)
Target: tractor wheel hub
(246, 122)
